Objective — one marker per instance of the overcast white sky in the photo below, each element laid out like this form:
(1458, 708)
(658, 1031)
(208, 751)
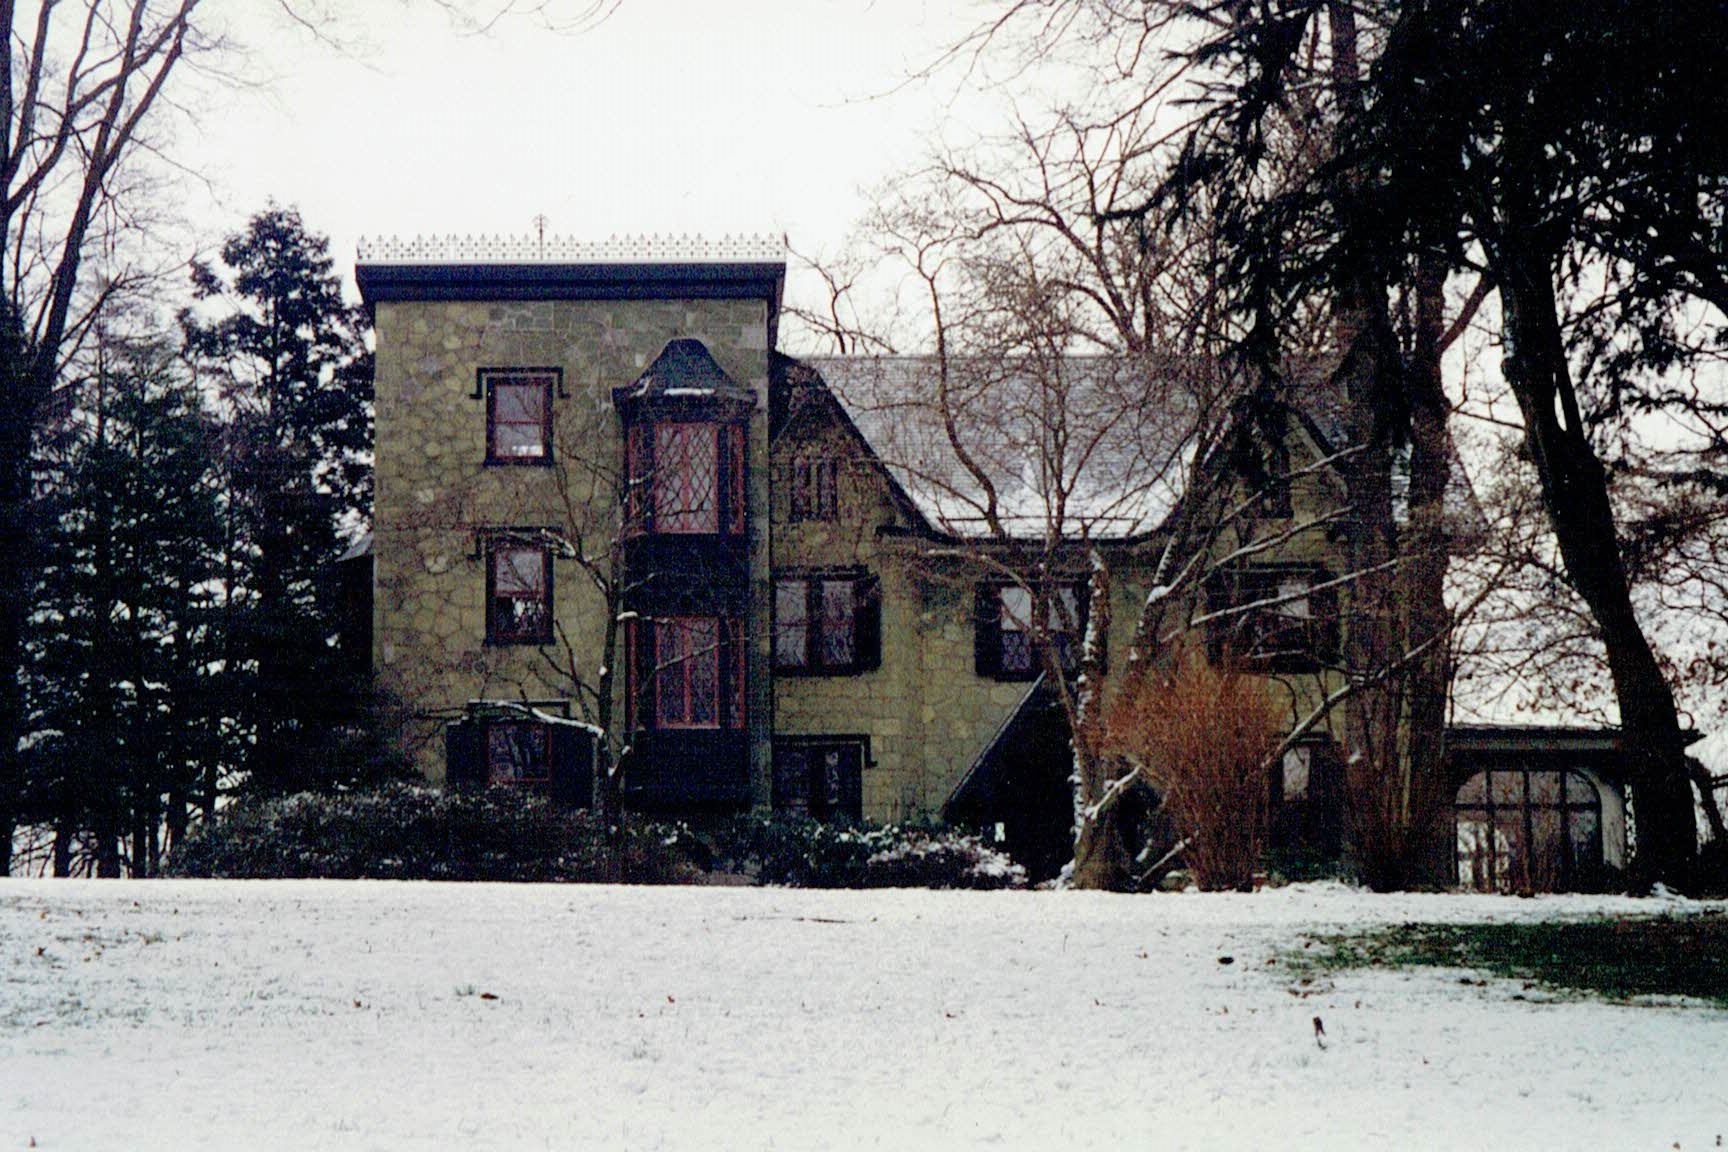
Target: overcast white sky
(673, 116)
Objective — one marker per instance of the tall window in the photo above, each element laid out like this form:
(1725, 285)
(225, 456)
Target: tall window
(827, 624)
(688, 477)
(1011, 632)
(687, 672)
(687, 675)
(518, 593)
(815, 490)
(518, 416)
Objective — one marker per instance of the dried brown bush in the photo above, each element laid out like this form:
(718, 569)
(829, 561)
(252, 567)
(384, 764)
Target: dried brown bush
(1204, 736)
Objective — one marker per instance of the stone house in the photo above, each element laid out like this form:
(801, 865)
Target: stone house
(608, 509)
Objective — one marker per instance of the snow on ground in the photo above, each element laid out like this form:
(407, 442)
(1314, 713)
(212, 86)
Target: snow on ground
(329, 1015)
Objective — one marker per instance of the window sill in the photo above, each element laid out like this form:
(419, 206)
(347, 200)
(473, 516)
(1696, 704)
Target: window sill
(518, 641)
(801, 672)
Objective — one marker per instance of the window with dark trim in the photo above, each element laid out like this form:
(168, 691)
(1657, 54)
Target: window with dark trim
(525, 744)
(518, 752)
(1011, 632)
(821, 776)
(1273, 618)
(815, 490)
(827, 624)
(518, 415)
(687, 477)
(518, 592)
(685, 672)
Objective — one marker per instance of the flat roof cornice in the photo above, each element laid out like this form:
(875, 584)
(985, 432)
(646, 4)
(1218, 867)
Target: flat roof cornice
(558, 268)
(380, 282)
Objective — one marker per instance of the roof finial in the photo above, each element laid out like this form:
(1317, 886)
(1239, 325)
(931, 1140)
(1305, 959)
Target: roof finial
(540, 221)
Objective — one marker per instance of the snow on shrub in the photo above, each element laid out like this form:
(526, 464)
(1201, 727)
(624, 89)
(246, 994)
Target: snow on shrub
(804, 853)
(415, 832)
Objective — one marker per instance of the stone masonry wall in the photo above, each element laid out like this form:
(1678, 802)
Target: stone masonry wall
(434, 492)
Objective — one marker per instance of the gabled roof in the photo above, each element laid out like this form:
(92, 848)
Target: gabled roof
(1070, 447)
(1124, 431)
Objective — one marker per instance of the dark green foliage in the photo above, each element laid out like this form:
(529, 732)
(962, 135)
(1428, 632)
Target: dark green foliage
(294, 374)
(17, 555)
(804, 853)
(1617, 958)
(414, 832)
(122, 659)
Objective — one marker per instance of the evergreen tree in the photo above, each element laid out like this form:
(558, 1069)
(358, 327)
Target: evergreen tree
(121, 655)
(294, 376)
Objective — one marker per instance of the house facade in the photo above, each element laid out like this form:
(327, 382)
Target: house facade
(609, 509)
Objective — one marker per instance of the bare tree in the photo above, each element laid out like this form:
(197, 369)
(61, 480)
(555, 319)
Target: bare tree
(1072, 411)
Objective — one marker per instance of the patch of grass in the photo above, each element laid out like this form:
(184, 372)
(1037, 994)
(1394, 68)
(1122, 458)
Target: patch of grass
(1618, 959)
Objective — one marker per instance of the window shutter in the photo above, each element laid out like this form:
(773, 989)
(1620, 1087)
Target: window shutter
(464, 755)
(851, 806)
(987, 630)
(572, 767)
(867, 619)
(732, 673)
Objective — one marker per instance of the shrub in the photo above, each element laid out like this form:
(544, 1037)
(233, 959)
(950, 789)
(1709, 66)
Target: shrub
(804, 853)
(1204, 736)
(415, 832)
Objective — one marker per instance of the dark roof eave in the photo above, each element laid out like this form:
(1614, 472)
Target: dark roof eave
(487, 282)
(1485, 738)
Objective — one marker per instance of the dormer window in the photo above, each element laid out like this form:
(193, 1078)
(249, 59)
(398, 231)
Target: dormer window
(687, 477)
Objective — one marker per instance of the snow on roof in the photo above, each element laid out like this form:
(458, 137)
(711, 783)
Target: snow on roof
(653, 249)
(1075, 446)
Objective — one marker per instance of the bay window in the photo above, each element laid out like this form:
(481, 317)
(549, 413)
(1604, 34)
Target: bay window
(686, 672)
(687, 477)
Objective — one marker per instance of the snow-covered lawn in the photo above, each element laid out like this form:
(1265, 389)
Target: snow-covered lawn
(303, 1016)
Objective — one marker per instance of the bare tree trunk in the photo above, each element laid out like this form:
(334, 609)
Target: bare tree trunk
(1100, 849)
(1371, 376)
(178, 818)
(1424, 549)
(107, 847)
(1575, 492)
(63, 849)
